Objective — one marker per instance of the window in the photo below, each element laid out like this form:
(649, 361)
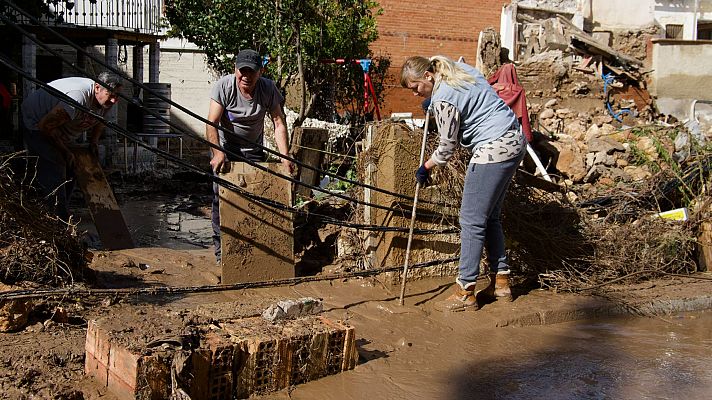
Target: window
(673, 31)
(704, 30)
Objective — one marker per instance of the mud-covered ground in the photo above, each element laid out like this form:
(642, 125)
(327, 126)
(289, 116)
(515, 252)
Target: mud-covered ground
(535, 347)
(500, 351)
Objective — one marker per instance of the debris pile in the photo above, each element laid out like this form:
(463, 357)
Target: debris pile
(618, 161)
(35, 246)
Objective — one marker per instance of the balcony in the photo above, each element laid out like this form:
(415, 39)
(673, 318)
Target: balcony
(136, 16)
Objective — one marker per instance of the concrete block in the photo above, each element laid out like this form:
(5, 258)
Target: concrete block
(292, 309)
(309, 143)
(397, 150)
(257, 240)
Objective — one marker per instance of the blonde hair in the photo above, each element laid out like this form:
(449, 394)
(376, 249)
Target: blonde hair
(441, 67)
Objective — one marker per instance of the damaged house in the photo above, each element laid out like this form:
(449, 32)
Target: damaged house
(663, 44)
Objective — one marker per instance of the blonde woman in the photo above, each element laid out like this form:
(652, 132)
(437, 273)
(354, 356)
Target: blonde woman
(469, 113)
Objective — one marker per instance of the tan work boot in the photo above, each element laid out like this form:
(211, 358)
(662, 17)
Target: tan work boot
(497, 288)
(487, 294)
(461, 300)
(502, 289)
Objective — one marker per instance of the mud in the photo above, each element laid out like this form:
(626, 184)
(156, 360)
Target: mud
(500, 351)
(257, 239)
(179, 222)
(542, 345)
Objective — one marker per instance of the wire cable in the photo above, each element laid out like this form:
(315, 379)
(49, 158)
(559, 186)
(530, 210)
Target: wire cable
(212, 145)
(243, 159)
(192, 114)
(229, 185)
(163, 290)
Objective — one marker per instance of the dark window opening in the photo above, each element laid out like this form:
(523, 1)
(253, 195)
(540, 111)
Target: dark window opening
(704, 31)
(673, 31)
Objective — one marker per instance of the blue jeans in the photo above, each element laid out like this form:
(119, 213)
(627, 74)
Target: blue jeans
(55, 181)
(480, 224)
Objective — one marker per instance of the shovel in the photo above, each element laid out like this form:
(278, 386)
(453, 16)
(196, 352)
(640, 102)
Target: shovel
(412, 213)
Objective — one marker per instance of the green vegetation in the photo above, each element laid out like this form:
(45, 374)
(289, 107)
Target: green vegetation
(298, 35)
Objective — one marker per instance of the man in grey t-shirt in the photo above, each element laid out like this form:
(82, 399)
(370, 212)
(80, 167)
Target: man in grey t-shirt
(52, 123)
(239, 103)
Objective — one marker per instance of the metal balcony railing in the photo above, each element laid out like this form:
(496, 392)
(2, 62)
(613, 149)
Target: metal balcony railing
(140, 16)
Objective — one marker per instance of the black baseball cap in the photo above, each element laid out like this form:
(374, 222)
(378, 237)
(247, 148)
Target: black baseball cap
(248, 58)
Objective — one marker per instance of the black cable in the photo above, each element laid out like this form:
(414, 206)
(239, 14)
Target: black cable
(34, 293)
(253, 163)
(201, 119)
(204, 141)
(211, 177)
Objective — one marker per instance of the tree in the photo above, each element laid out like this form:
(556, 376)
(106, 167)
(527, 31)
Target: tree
(297, 34)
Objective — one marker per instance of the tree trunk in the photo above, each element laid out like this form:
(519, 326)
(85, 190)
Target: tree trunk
(302, 81)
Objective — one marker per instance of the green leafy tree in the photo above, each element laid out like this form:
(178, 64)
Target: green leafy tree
(297, 34)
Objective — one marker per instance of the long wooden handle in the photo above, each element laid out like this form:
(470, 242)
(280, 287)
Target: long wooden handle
(412, 213)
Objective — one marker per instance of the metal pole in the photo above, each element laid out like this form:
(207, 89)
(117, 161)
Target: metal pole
(538, 163)
(412, 213)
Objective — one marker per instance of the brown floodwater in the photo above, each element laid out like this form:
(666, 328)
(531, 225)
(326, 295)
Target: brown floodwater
(414, 352)
(176, 222)
(626, 358)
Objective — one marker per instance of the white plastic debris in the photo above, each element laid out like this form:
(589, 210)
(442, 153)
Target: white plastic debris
(292, 309)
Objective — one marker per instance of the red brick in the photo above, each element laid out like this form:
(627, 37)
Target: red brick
(444, 27)
(123, 373)
(97, 347)
(135, 376)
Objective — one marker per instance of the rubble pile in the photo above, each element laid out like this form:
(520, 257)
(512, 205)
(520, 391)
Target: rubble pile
(615, 162)
(618, 160)
(594, 120)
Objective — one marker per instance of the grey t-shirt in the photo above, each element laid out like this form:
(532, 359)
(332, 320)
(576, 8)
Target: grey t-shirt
(41, 102)
(245, 118)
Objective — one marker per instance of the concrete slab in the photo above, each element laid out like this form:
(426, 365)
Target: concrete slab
(257, 240)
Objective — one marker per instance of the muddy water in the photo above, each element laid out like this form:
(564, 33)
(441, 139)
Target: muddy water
(414, 352)
(174, 222)
(632, 358)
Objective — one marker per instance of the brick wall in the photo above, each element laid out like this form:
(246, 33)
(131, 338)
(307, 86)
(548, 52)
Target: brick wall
(444, 27)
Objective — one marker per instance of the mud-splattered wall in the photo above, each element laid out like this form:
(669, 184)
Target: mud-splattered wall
(681, 75)
(394, 154)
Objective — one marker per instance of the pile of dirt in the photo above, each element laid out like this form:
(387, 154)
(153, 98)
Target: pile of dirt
(35, 246)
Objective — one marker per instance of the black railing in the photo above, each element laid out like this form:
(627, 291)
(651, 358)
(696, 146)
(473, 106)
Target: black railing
(141, 16)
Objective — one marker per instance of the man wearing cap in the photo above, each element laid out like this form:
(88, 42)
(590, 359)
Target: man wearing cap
(239, 103)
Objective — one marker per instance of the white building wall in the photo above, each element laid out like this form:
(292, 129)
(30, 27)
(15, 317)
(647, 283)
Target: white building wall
(616, 14)
(184, 67)
(681, 76)
(191, 82)
(680, 72)
(634, 14)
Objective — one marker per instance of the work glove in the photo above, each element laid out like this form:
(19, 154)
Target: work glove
(422, 175)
